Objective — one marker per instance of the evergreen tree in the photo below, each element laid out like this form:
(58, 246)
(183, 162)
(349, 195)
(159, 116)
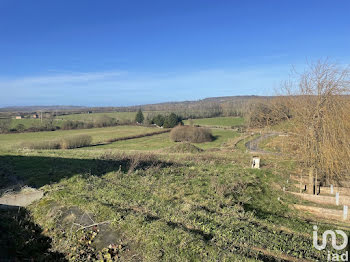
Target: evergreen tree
(158, 120)
(171, 121)
(139, 117)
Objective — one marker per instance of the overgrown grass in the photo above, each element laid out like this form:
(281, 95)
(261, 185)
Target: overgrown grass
(65, 143)
(50, 144)
(184, 212)
(159, 206)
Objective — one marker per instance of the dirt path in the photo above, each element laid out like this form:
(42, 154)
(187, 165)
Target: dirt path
(253, 145)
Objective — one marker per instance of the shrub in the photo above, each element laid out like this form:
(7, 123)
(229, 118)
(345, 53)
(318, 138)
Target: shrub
(75, 141)
(70, 124)
(41, 145)
(20, 128)
(65, 143)
(191, 134)
(5, 125)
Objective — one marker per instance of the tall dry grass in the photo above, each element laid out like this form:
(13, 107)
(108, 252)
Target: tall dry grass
(65, 143)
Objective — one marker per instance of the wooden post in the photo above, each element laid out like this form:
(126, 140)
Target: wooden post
(311, 187)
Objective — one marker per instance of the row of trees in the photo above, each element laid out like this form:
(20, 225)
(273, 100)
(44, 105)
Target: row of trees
(166, 121)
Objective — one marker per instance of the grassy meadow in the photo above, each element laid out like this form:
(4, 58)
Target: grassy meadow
(218, 121)
(12, 141)
(30, 122)
(137, 200)
(163, 141)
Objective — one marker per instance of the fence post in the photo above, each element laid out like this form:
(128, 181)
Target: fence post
(337, 198)
(332, 190)
(345, 212)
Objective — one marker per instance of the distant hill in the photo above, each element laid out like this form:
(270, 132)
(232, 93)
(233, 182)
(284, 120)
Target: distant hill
(208, 107)
(124, 108)
(39, 108)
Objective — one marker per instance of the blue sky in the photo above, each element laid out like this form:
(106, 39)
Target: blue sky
(116, 53)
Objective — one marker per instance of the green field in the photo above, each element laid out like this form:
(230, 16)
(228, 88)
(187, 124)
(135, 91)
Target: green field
(59, 120)
(121, 116)
(218, 121)
(12, 141)
(27, 122)
(134, 200)
(162, 141)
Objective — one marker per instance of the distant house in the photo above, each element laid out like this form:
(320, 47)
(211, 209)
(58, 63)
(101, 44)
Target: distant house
(35, 116)
(18, 117)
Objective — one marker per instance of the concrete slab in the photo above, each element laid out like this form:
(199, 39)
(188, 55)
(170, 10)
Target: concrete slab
(22, 198)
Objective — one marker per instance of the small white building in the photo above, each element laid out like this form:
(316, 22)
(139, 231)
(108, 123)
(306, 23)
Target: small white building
(18, 117)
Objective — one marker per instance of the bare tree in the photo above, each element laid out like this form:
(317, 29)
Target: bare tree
(319, 102)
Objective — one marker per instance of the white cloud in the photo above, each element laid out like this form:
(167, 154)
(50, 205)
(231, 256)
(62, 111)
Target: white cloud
(121, 88)
(61, 78)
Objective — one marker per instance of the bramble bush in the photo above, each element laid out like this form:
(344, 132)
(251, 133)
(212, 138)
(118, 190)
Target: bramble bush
(191, 134)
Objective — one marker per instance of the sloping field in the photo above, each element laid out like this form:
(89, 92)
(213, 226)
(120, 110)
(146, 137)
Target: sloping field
(218, 121)
(160, 207)
(163, 140)
(121, 116)
(186, 204)
(12, 141)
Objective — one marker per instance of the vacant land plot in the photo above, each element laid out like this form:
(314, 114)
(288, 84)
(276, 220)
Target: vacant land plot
(157, 207)
(136, 200)
(218, 121)
(12, 141)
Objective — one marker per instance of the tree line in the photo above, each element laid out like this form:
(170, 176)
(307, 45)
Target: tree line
(167, 121)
